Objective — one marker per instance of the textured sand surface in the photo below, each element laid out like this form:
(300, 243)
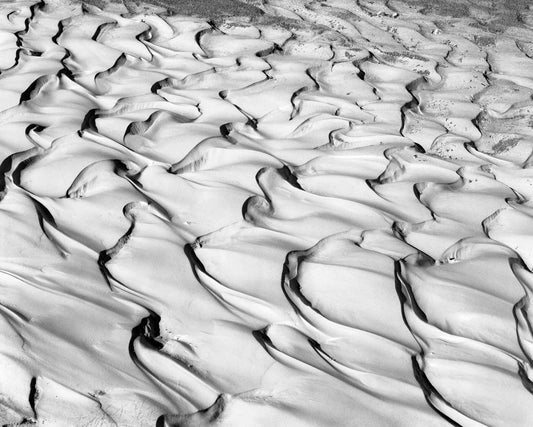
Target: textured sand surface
(318, 215)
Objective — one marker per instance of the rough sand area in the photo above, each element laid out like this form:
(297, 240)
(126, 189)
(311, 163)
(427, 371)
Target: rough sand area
(319, 215)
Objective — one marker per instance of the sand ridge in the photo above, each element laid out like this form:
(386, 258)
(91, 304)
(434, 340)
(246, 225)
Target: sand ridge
(316, 217)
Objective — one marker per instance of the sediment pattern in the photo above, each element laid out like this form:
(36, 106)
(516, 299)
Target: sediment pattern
(321, 217)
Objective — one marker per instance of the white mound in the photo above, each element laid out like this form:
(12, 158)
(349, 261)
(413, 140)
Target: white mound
(321, 216)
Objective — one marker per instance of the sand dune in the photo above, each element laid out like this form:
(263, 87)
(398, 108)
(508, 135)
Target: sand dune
(317, 215)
